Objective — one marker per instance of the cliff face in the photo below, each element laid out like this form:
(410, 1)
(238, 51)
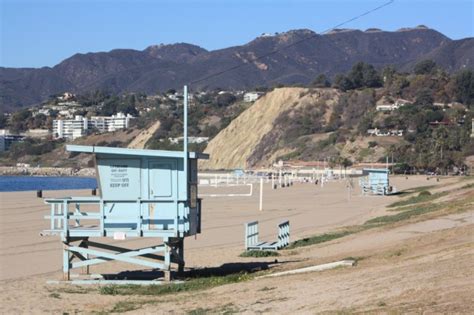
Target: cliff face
(252, 138)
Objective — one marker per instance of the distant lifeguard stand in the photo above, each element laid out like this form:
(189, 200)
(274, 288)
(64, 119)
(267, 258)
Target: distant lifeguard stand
(376, 181)
(143, 193)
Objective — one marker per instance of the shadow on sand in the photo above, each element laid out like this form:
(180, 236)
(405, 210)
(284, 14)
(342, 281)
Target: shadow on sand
(218, 271)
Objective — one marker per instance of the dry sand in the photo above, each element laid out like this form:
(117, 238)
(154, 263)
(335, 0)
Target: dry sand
(27, 260)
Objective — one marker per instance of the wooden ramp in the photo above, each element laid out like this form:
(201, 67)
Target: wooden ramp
(252, 242)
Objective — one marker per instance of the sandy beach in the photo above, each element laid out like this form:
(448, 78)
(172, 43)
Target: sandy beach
(28, 260)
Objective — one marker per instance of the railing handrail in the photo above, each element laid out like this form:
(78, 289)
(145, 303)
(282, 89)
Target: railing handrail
(98, 200)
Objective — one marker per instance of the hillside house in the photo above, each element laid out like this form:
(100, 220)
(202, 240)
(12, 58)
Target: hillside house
(391, 107)
(252, 96)
(389, 133)
(196, 140)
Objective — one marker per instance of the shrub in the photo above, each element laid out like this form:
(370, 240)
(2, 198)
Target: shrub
(372, 144)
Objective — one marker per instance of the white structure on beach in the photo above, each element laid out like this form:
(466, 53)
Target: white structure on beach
(71, 129)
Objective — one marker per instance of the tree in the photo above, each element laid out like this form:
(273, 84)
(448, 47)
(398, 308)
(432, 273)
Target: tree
(388, 74)
(424, 98)
(127, 109)
(464, 87)
(364, 75)
(425, 67)
(19, 120)
(321, 81)
(342, 82)
(225, 99)
(3, 121)
(346, 163)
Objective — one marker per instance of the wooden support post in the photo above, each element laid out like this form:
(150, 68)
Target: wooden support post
(66, 262)
(181, 256)
(167, 254)
(85, 244)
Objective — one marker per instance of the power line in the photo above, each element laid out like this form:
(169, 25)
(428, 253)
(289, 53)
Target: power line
(292, 44)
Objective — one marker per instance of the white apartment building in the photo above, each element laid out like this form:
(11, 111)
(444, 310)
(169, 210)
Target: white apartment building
(71, 129)
(111, 123)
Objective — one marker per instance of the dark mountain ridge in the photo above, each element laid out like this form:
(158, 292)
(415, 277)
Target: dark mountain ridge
(160, 67)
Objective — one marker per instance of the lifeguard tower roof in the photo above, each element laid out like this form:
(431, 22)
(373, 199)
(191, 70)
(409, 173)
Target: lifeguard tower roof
(137, 152)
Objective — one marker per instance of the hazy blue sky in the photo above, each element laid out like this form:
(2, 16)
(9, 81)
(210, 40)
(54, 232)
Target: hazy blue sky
(44, 32)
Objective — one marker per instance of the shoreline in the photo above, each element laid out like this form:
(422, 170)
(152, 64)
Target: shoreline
(46, 171)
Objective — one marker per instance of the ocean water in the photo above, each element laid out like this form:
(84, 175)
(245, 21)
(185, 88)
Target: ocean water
(25, 183)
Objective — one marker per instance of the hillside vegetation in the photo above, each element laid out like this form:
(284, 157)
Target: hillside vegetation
(318, 123)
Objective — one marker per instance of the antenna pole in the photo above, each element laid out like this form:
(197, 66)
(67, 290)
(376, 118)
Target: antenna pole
(185, 120)
(185, 137)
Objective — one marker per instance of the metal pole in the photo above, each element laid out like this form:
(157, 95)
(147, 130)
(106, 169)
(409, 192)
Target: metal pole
(261, 194)
(185, 139)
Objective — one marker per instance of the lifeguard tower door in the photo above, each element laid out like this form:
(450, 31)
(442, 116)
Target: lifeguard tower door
(162, 187)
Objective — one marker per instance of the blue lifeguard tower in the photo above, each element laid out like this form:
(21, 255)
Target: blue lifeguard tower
(376, 181)
(143, 193)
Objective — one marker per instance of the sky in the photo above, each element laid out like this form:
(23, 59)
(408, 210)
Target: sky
(38, 33)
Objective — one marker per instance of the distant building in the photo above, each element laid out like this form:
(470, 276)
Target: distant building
(392, 132)
(111, 123)
(66, 96)
(391, 107)
(7, 139)
(197, 140)
(71, 129)
(387, 107)
(252, 96)
(472, 131)
(37, 133)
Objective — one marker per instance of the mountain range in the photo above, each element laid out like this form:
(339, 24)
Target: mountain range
(294, 57)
